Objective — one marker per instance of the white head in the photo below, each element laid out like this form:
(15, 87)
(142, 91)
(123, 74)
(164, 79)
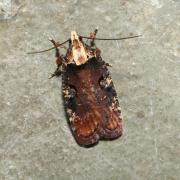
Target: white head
(78, 51)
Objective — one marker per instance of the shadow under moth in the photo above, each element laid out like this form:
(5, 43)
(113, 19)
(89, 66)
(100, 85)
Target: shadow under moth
(90, 99)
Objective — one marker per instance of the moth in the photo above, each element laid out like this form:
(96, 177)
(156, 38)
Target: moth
(90, 98)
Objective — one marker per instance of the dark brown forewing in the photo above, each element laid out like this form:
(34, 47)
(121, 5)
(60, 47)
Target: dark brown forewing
(93, 108)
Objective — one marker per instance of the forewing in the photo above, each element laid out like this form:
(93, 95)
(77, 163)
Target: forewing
(91, 102)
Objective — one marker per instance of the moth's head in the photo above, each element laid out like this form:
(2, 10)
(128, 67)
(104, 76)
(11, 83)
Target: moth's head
(75, 42)
(79, 54)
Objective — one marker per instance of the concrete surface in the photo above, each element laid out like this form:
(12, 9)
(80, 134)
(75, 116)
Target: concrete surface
(35, 140)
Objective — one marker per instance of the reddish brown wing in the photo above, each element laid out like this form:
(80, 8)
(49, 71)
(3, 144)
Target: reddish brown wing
(91, 102)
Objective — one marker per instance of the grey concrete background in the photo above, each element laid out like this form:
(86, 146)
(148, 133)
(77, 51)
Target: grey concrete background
(35, 140)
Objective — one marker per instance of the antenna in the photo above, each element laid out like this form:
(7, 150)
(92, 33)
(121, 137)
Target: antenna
(58, 45)
(129, 37)
(85, 37)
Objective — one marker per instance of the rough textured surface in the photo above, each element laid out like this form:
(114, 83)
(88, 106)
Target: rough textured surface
(35, 141)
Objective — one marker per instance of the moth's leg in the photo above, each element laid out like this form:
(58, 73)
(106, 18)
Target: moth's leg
(58, 60)
(107, 64)
(97, 54)
(93, 36)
